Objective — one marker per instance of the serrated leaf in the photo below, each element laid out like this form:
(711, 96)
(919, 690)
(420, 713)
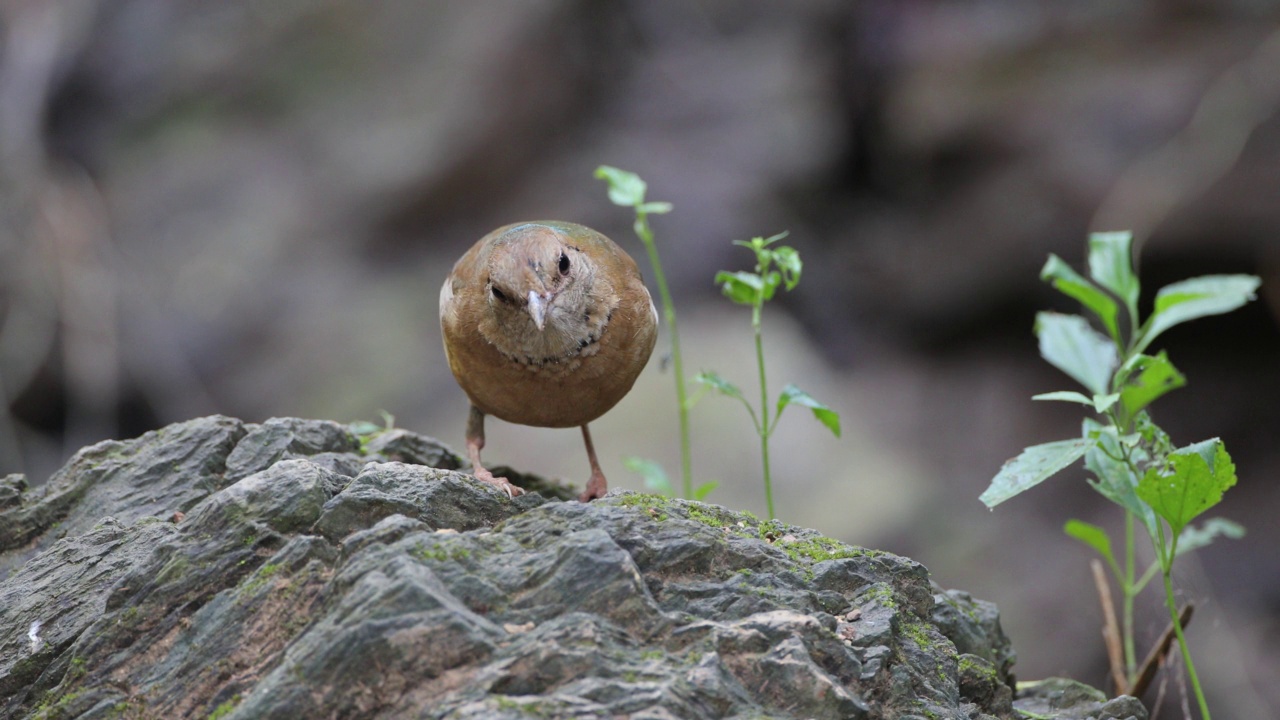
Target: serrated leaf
(1150, 378)
(1093, 536)
(1194, 538)
(740, 287)
(1072, 284)
(655, 478)
(1032, 467)
(703, 490)
(1111, 265)
(1196, 298)
(792, 395)
(625, 188)
(713, 380)
(1069, 344)
(1193, 482)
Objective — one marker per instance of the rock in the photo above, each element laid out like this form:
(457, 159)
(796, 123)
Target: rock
(439, 498)
(165, 471)
(11, 489)
(280, 438)
(404, 446)
(310, 574)
(974, 627)
(1071, 700)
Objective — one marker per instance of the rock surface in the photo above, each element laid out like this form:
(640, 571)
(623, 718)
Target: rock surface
(292, 568)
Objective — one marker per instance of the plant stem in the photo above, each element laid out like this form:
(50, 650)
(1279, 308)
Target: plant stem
(763, 428)
(669, 315)
(1128, 587)
(1130, 661)
(1182, 640)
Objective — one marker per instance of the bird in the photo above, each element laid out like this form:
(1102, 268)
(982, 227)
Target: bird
(548, 324)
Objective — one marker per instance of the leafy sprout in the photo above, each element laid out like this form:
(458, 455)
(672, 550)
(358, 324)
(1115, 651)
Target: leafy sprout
(1132, 461)
(775, 267)
(628, 190)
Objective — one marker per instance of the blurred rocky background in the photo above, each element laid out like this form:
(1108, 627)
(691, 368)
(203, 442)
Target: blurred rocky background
(248, 207)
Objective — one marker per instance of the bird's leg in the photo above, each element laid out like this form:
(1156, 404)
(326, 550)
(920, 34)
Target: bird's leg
(475, 442)
(597, 486)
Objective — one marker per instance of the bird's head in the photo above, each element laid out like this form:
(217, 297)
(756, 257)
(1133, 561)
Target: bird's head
(535, 269)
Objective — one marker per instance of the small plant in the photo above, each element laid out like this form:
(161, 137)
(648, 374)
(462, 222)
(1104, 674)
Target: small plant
(1133, 461)
(367, 429)
(775, 266)
(627, 190)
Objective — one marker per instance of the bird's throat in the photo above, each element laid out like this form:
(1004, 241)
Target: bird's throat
(566, 336)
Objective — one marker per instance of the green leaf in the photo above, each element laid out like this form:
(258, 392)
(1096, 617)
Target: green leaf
(1112, 477)
(1194, 538)
(1100, 403)
(743, 288)
(703, 490)
(1070, 345)
(792, 395)
(788, 261)
(1065, 396)
(1111, 265)
(362, 428)
(625, 188)
(1149, 378)
(654, 208)
(712, 379)
(1074, 285)
(1196, 298)
(1093, 536)
(1032, 467)
(655, 478)
(774, 238)
(772, 280)
(1193, 482)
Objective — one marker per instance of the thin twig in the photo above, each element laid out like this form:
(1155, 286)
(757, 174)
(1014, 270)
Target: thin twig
(1155, 707)
(1149, 666)
(1110, 629)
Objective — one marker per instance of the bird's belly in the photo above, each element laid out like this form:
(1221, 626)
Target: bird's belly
(567, 393)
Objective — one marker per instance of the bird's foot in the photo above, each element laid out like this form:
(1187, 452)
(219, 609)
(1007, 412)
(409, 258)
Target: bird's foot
(501, 483)
(596, 488)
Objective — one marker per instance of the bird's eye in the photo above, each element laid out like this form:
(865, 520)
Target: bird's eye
(564, 264)
(498, 293)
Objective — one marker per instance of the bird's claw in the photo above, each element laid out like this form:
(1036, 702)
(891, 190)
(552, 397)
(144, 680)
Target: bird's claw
(501, 483)
(596, 488)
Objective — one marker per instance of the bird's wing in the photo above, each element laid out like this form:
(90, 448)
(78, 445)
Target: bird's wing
(446, 297)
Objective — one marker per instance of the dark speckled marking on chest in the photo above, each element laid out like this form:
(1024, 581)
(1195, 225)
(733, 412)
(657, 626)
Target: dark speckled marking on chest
(587, 347)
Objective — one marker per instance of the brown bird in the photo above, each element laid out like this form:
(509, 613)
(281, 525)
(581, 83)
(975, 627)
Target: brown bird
(545, 324)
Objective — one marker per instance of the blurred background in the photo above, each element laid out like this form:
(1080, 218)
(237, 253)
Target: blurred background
(248, 207)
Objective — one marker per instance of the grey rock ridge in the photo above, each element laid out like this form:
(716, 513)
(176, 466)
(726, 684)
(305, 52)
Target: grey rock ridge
(295, 569)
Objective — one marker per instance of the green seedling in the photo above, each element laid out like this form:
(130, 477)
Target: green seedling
(775, 267)
(366, 428)
(1132, 461)
(627, 190)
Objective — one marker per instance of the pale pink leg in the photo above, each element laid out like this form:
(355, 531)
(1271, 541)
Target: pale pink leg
(597, 486)
(475, 442)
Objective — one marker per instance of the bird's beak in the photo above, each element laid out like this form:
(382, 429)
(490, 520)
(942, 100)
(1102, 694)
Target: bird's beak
(538, 308)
